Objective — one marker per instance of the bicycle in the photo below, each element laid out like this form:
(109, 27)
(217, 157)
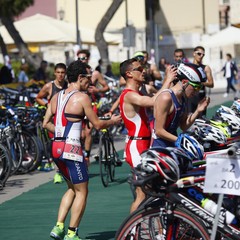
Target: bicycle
(108, 156)
(173, 211)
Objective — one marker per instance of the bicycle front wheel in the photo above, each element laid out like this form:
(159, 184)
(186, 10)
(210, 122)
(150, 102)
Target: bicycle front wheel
(104, 161)
(5, 165)
(149, 224)
(114, 158)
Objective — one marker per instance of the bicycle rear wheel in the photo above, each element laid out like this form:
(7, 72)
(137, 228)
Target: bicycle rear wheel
(150, 224)
(104, 161)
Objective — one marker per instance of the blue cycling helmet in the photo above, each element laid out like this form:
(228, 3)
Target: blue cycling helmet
(191, 146)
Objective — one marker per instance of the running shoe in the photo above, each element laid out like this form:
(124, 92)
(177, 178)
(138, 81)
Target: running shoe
(57, 233)
(75, 237)
(58, 178)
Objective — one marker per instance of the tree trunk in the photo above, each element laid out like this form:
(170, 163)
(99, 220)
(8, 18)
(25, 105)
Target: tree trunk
(3, 46)
(20, 44)
(99, 38)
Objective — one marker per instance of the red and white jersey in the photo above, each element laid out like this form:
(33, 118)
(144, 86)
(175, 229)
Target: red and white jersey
(139, 132)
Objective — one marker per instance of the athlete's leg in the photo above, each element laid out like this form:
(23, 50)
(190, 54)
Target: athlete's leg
(79, 203)
(66, 203)
(140, 196)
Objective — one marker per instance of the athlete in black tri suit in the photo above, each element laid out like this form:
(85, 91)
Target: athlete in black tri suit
(97, 87)
(47, 92)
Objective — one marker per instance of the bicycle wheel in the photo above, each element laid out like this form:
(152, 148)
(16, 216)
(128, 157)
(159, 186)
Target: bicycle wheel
(150, 224)
(114, 158)
(16, 153)
(104, 162)
(5, 165)
(32, 152)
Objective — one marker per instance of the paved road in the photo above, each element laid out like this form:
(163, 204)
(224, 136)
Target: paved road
(19, 184)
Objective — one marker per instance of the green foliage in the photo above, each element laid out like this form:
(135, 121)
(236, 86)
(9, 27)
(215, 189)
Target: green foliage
(10, 8)
(16, 65)
(116, 68)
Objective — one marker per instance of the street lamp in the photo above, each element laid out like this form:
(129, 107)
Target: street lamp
(77, 27)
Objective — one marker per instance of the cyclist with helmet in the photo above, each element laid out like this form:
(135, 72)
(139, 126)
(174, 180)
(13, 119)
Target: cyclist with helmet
(170, 110)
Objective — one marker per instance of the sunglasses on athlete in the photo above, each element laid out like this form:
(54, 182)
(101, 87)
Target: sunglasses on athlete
(88, 76)
(200, 54)
(139, 69)
(197, 87)
(82, 58)
(140, 58)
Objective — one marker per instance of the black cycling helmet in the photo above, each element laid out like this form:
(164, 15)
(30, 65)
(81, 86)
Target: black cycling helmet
(192, 72)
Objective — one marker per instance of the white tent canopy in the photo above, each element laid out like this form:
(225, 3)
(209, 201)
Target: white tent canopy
(44, 29)
(227, 36)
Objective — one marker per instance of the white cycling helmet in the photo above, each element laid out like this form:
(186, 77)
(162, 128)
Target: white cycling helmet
(162, 162)
(236, 107)
(232, 120)
(194, 73)
(205, 132)
(226, 110)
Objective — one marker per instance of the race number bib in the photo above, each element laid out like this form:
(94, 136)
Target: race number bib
(73, 150)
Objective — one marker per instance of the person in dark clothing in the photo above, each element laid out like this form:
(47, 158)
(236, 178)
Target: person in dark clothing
(5, 75)
(99, 68)
(40, 74)
(198, 55)
(230, 71)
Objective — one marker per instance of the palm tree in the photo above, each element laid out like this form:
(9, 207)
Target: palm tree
(99, 38)
(8, 10)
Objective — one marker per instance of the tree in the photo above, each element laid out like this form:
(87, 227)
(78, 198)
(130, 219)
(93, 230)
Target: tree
(99, 38)
(8, 10)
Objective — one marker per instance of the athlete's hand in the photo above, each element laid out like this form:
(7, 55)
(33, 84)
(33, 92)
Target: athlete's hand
(203, 104)
(116, 119)
(171, 74)
(93, 89)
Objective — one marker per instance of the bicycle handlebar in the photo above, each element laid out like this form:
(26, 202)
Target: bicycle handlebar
(233, 149)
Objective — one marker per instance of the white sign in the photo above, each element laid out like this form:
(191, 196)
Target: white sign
(222, 175)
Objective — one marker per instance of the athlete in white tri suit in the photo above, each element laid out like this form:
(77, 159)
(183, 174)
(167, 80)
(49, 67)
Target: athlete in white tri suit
(69, 107)
(66, 149)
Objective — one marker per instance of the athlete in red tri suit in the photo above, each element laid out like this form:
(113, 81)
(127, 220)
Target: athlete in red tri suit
(69, 107)
(132, 108)
(138, 129)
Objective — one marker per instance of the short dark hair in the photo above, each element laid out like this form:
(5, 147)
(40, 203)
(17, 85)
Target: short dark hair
(84, 51)
(199, 47)
(60, 65)
(75, 69)
(178, 50)
(229, 55)
(126, 65)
